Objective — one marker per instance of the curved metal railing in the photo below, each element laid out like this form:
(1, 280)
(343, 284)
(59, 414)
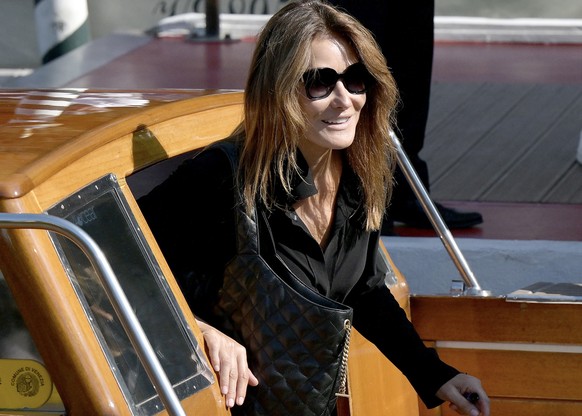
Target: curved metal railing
(114, 292)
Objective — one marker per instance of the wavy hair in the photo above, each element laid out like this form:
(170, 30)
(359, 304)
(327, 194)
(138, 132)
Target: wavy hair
(274, 121)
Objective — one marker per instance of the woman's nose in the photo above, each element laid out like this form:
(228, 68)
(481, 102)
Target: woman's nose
(340, 95)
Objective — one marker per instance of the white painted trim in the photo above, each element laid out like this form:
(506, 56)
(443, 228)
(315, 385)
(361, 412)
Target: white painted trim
(514, 22)
(453, 28)
(510, 346)
(525, 30)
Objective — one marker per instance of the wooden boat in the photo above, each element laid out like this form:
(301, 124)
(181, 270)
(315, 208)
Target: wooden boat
(85, 156)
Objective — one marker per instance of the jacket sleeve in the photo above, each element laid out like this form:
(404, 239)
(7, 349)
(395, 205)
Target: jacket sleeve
(381, 320)
(191, 217)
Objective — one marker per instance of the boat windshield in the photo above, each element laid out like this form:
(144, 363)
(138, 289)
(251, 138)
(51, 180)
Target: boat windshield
(102, 211)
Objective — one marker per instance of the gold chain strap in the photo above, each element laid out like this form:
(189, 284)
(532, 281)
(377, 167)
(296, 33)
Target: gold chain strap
(343, 373)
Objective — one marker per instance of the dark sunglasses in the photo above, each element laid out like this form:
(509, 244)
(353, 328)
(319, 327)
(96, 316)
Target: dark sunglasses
(320, 82)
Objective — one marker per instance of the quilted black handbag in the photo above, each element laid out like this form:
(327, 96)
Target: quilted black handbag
(296, 338)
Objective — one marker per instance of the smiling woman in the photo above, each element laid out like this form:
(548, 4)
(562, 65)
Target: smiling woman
(335, 110)
(289, 228)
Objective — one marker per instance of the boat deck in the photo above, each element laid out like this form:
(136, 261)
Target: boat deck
(503, 132)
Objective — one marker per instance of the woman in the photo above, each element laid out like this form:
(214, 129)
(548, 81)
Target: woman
(314, 161)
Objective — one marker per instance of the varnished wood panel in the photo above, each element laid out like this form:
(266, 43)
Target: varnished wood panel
(377, 387)
(518, 350)
(28, 161)
(56, 321)
(58, 161)
(166, 139)
(502, 407)
(522, 374)
(495, 320)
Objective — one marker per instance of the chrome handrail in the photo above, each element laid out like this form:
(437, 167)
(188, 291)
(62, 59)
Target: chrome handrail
(473, 289)
(115, 293)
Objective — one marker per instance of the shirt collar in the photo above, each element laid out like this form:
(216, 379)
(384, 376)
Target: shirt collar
(302, 187)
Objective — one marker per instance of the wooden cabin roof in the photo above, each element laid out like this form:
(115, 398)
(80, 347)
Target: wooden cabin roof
(43, 131)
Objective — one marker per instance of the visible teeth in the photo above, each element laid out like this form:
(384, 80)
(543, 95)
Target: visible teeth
(338, 121)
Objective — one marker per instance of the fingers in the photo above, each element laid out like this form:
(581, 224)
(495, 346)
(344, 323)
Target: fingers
(242, 380)
(229, 360)
(483, 405)
(479, 406)
(233, 372)
(253, 381)
(228, 380)
(457, 390)
(464, 408)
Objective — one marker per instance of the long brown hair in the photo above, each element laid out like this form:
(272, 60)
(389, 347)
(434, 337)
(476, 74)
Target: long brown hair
(274, 121)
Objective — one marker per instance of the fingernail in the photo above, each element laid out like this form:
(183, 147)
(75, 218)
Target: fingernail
(240, 401)
(224, 390)
(475, 412)
(230, 402)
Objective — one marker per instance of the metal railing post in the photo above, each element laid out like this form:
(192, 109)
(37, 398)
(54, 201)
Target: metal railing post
(114, 292)
(437, 222)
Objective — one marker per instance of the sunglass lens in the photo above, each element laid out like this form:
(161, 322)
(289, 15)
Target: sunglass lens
(320, 82)
(356, 79)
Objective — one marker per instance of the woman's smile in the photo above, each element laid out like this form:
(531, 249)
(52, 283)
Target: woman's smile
(336, 121)
(333, 118)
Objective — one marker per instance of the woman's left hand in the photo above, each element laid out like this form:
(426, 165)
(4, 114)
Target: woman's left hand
(454, 391)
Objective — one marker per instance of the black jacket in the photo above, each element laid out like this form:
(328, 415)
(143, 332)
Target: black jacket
(191, 215)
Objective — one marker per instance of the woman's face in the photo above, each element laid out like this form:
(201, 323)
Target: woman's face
(332, 119)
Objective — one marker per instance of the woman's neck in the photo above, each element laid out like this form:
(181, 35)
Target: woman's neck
(317, 212)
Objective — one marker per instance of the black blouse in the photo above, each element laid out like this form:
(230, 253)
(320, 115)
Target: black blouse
(191, 215)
